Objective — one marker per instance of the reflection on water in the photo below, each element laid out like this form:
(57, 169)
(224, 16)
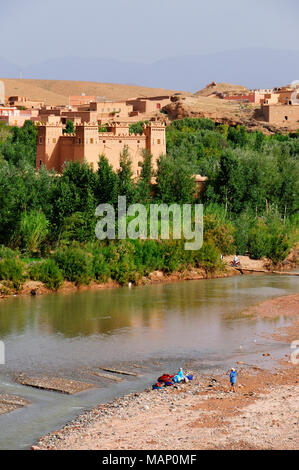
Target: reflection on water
(69, 330)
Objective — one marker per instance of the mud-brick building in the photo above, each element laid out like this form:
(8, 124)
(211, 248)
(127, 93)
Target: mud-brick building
(55, 148)
(281, 114)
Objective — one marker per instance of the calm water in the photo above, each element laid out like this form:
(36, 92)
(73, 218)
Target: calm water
(160, 327)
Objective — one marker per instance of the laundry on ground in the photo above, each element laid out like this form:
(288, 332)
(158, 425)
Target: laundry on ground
(167, 380)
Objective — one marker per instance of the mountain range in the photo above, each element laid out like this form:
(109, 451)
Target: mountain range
(253, 68)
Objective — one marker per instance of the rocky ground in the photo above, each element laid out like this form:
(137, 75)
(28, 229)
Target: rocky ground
(10, 403)
(263, 412)
(223, 111)
(204, 414)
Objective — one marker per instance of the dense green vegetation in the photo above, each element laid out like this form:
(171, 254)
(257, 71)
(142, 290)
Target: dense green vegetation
(250, 204)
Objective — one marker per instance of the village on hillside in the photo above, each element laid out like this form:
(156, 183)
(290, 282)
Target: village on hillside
(102, 126)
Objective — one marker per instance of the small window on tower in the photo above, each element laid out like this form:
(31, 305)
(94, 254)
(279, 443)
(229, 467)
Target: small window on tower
(91, 141)
(54, 141)
(158, 141)
(40, 140)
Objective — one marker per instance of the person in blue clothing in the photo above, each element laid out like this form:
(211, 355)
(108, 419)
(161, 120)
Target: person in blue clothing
(233, 378)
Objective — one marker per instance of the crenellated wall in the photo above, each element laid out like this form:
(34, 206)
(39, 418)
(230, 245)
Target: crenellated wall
(54, 148)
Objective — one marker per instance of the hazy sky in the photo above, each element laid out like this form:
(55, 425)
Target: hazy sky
(143, 31)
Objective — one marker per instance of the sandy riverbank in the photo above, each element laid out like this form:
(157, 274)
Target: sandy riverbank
(263, 413)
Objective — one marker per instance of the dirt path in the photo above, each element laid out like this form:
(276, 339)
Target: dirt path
(263, 413)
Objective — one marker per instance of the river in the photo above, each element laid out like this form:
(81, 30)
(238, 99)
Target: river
(160, 327)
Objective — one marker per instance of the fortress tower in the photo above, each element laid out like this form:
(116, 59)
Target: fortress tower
(155, 140)
(86, 143)
(48, 146)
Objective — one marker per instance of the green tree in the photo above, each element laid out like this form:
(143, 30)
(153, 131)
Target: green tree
(126, 185)
(74, 192)
(145, 179)
(230, 182)
(5, 132)
(175, 181)
(69, 128)
(21, 144)
(107, 183)
(137, 127)
(259, 141)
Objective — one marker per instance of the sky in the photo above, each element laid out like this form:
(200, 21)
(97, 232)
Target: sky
(34, 31)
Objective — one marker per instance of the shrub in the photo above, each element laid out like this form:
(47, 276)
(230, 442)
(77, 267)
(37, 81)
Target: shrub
(279, 246)
(100, 267)
(259, 241)
(148, 255)
(75, 264)
(6, 252)
(221, 231)
(120, 256)
(208, 257)
(125, 270)
(33, 270)
(172, 255)
(11, 269)
(33, 230)
(243, 225)
(49, 273)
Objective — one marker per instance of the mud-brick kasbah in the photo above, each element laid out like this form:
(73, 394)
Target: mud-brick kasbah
(54, 147)
(91, 115)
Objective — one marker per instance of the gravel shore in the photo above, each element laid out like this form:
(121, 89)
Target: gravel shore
(263, 413)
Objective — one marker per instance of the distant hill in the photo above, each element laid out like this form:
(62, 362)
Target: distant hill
(225, 88)
(55, 92)
(253, 68)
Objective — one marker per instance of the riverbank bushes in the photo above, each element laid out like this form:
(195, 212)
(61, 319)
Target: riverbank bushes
(47, 272)
(251, 201)
(11, 269)
(122, 261)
